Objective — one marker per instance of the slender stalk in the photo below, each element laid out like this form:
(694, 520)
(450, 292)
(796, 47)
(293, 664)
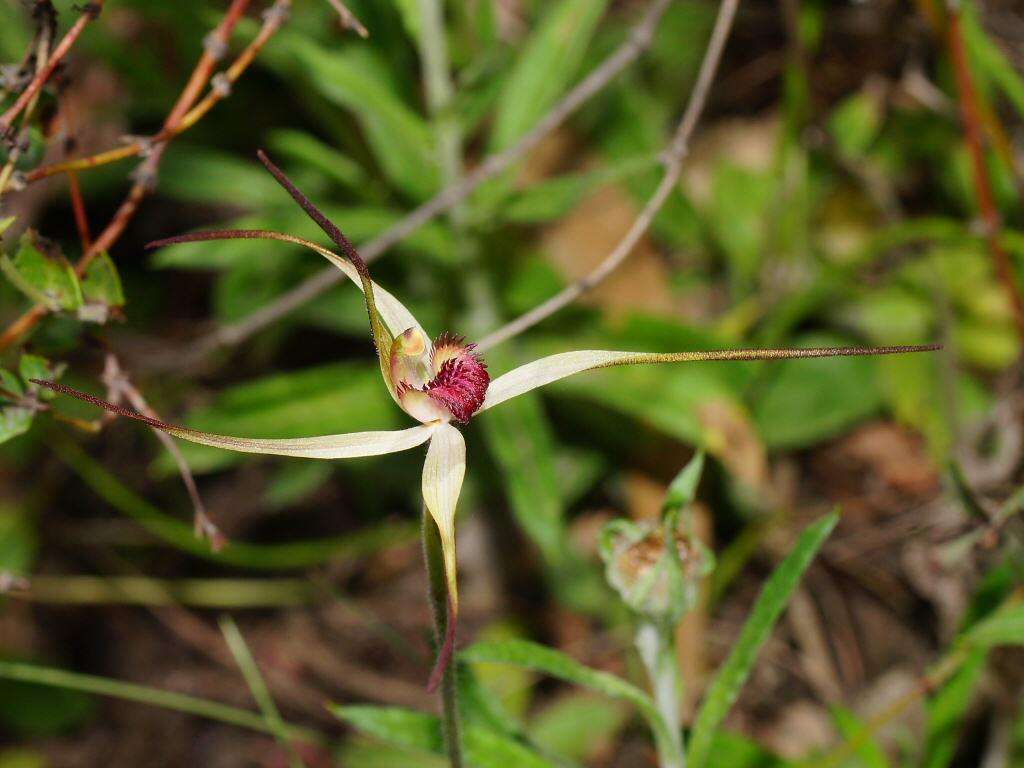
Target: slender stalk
(676, 151)
(656, 643)
(90, 12)
(102, 686)
(971, 114)
(438, 594)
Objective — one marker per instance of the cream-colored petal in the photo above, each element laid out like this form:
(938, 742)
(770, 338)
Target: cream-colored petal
(345, 446)
(442, 481)
(555, 367)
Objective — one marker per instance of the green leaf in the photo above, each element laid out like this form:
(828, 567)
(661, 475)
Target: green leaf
(14, 420)
(854, 124)
(11, 383)
(738, 217)
(43, 275)
(36, 367)
(401, 727)
(18, 542)
(1003, 627)
(36, 711)
(546, 67)
(868, 753)
(101, 289)
(353, 77)
(808, 400)
(987, 53)
(520, 441)
(418, 731)
(309, 150)
(554, 198)
(556, 728)
(17, 757)
(197, 174)
(6, 223)
(733, 673)
(529, 655)
(18, 409)
(410, 12)
(683, 489)
(734, 751)
(946, 710)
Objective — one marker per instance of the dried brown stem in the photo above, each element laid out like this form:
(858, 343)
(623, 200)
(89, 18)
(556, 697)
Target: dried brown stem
(78, 206)
(89, 13)
(972, 120)
(673, 161)
(119, 387)
(181, 115)
(638, 40)
(348, 19)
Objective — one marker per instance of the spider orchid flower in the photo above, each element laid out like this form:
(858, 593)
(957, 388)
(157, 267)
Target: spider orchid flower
(438, 383)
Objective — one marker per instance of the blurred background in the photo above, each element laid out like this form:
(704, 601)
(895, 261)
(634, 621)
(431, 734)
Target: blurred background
(829, 196)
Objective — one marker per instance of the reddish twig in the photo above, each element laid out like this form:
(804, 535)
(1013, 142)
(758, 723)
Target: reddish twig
(182, 115)
(972, 120)
(89, 13)
(78, 206)
(186, 111)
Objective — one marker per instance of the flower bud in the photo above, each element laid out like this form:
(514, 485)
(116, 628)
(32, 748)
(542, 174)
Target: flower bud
(651, 578)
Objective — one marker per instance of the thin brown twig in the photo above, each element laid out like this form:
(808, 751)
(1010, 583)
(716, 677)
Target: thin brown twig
(44, 39)
(990, 217)
(120, 387)
(186, 112)
(348, 19)
(673, 163)
(183, 111)
(89, 13)
(637, 41)
(78, 206)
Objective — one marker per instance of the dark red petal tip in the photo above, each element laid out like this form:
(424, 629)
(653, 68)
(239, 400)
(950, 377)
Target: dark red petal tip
(100, 403)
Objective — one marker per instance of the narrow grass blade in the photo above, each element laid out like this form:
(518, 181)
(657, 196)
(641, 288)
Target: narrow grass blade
(257, 686)
(418, 731)
(102, 686)
(296, 554)
(769, 606)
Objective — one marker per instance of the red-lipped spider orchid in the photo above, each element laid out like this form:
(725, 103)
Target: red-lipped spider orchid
(437, 383)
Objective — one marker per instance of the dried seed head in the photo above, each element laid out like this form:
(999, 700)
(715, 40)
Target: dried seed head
(649, 577)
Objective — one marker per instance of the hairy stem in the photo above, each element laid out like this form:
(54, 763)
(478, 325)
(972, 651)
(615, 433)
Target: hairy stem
(655, 640)
(439, 604)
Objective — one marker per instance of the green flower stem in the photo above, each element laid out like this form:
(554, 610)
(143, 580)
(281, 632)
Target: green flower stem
(438, 593)
(655, 640)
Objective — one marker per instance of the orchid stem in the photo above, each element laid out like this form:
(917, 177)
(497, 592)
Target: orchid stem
(439, 604)
(655, 640)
